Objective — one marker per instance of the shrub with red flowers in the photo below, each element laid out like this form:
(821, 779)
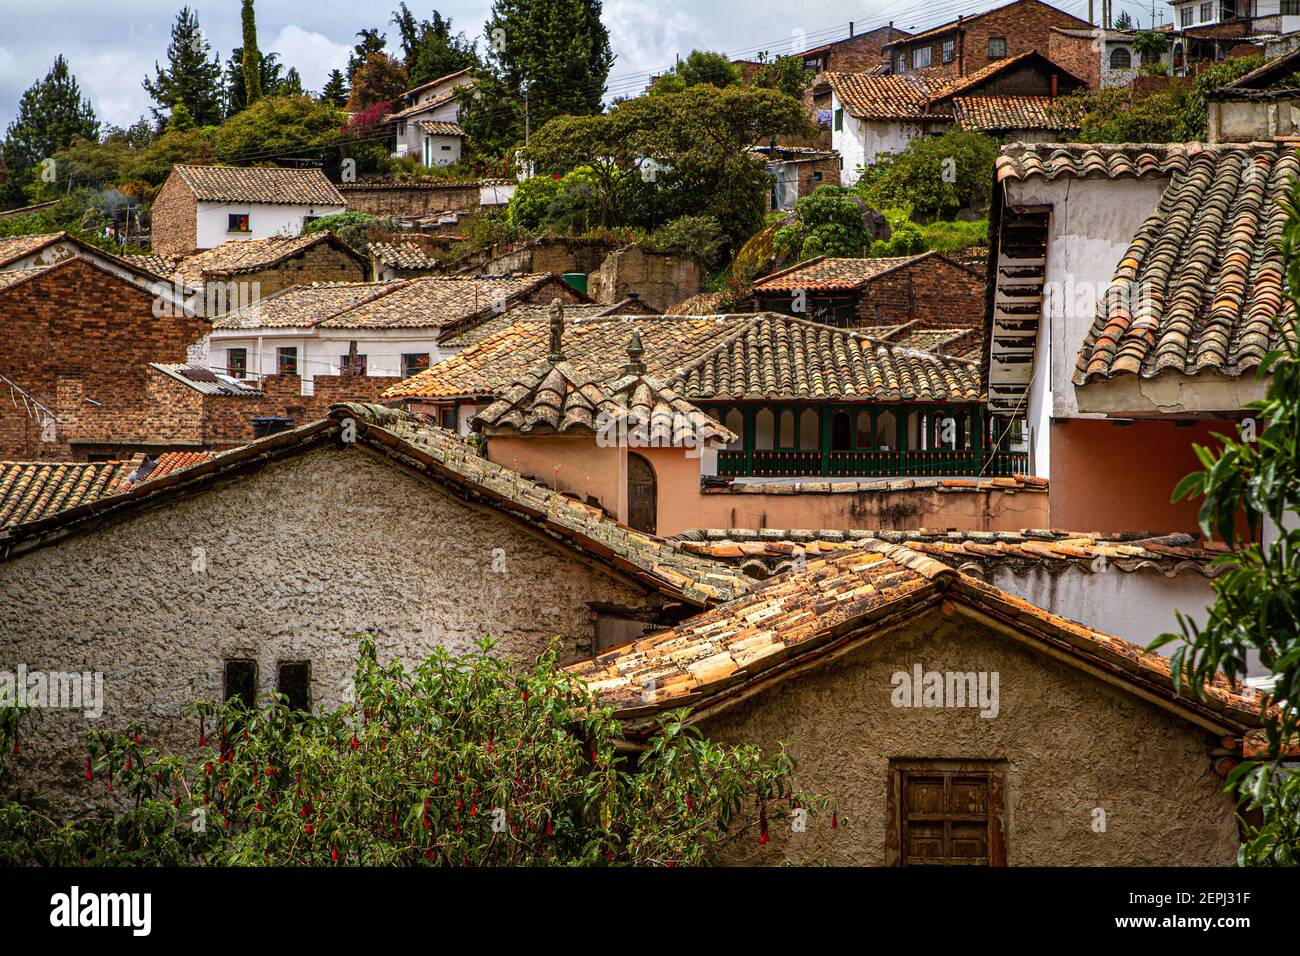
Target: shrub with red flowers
(454, 762)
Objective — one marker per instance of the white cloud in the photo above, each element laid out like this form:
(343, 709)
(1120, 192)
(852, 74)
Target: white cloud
(314, 54)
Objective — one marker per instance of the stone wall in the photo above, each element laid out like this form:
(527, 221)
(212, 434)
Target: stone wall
(300, 557)
(660, 280)
(322, 262)
(1070, 744)
(174, 218)
(389, 200)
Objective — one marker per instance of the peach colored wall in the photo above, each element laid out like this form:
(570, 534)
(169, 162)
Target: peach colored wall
(1106, 477)
(568, 463)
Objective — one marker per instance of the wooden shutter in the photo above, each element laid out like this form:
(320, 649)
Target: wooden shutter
(946, 813)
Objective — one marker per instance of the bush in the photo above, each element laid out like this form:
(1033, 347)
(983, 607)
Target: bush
(956, 236)
(351, 227)
(905, 240)
(936, 177)
(831, 221)
(528, 205)
(700, 237)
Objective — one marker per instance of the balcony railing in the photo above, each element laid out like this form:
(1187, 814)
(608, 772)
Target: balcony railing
(788, 463)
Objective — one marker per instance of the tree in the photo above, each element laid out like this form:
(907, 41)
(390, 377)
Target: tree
(454, 762)
(1124, 21)
(278, 126)
(291, 85)
(252, 59)
(190, 77)
(51, 114)
(335, 90)
(545, 58)
(934, 177)
(1257, 598)
(380, 80)
(1150, 47)
(429, 49)
(236, 90)
(830, 221)
(789, 74)
(701, 66)
(372, 41)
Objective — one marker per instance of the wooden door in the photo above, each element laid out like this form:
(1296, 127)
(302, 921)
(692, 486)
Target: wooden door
(642, 494)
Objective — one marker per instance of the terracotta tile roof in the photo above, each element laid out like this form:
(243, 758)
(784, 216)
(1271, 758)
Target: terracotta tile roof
(173, 461)
(444, 457)
(765, 551)
(999, 113)
(827, 274)
(15, 276)
(158, 265)
(261, 184)
(529, 312)
(551, 398)
(415, 90)
(1081, 160)
(1201, 286)
(973, 81)
(33, 490)
(595, 347)
(776, 355)
(440, 302)
(403, 255)
(704, 303)
(940, 340)
(19, 247)
(792, 619)
(440, 128)
(304, 306)
(250, 255)
(664, 418)
(894, 96)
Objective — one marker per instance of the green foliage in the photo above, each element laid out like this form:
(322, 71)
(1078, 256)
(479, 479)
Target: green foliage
(455, 762)
(787, 74)
(935, 176)
(351, 227)
(430, 50)
(955, 236)
(335, 90)
(270, 75)
(381, 79)
(371, 41)
(905, 239)
(1150, 46)
(277, 125)
(527, 208)
(190, 79)
(51, 114)
(1257, 597)
(702, 66)
(252, 58)
(829, 221)
(700, 237)
(559, 49)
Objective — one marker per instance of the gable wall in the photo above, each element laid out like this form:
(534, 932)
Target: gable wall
(174, 222)
(1072, 745)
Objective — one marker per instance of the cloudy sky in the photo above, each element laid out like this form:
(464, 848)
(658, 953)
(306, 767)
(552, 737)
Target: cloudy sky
(112, 44)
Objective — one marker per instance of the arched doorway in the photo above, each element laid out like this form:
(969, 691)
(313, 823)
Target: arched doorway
(642, 494)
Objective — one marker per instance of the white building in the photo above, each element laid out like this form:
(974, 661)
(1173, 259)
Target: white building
(1262, 16)
(428, 125)
(877, 116)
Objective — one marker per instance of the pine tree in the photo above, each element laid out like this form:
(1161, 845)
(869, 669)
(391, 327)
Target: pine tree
(335, 90)
(372, 41)
(558, 48)
(252, 60)
(190, 77)
(429, 49)
(270, 77)
(291, 85)
(1123, 21)
(51, 114)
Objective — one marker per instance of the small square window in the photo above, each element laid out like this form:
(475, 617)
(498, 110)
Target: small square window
(241, 682)
(947, 51)
(921, 57)
(946, 813)
(1185, 16)
(237, 362)
(294, 682)
(997, 48)
(1207, 12)
(448, 416)
(817, 177)
(237, 222)
(414, 363)
(286, 360)
(358, 368)
(900, 63)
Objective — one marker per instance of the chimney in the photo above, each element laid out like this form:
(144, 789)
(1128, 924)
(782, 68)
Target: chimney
(635, 351)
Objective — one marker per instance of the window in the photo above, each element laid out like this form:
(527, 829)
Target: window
(920, 57)
(735, 422)
(862, 430)
(1185, 16)
(887, 431)
(1120, 59)
(1291, 8)
(241, 682)
(413, 363)
(448, 418)
(997, 48)
(295, 683)
(817, 177)
(764, 430)
(839, 118)
(237, 222)
(236, 362)
(357, 369)
(785, 435)
(841, 434)
(948, 50)
(810, 430)
(286, 360)
(1207, 12)
(946, 813)
(900, 63)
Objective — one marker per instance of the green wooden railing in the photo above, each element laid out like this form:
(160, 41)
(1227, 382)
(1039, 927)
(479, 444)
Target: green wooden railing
(788, 463)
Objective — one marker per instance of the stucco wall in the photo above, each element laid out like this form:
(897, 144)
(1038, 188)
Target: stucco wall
(1071, 743)
(264, 220)
(301, 557)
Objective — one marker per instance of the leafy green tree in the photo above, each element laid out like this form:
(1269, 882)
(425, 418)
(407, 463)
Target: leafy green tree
(830, 221)
(1257, 598)
(352, 227)
(291, 85)
(51, 114)
(189, 78)
(272, 75)
(544, 58)
(455, 762)
(371, 41)
(935, 177)
(278, 126)
(380, 80)
(531, 199)
(701, 66)
(788, 74)
(252, 58)
(1150, 46)
(1123, 21)
(429, 49)
(335, 91)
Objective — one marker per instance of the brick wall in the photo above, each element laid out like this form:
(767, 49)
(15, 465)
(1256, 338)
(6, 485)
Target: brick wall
(76, 335)
(1075, 54)
(322, 262)
(174, 218)
(1025, 26)
(416, 199)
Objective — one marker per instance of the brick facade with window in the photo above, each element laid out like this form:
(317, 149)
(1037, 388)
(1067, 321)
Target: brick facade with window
(985, 38)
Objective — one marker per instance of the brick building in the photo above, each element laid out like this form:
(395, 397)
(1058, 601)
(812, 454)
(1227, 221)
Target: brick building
(796, 172)
(855, 53)
(1103, 58)
(967, 44)
(861, 293)
(75, 343)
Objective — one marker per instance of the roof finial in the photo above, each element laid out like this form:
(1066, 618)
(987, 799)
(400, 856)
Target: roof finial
(635, 350)
(557, 331)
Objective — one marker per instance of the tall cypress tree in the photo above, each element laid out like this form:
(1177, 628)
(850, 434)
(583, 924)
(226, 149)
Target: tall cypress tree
(252, 58)
(50, 115)
(270, 76)
(559, 48)
(189, 78)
